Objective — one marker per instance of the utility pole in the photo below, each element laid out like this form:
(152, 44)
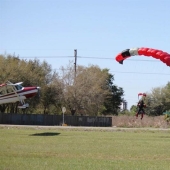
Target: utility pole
(75, 70)
(75, 63)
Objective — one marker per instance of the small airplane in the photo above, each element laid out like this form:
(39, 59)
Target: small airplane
(11, 93)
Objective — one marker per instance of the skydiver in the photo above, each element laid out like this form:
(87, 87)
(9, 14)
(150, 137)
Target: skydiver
(141, 106)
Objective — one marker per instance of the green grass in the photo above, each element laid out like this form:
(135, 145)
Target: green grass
(49, 149)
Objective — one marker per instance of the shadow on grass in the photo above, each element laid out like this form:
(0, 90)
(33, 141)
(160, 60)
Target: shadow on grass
(46, 134)
(164, 136)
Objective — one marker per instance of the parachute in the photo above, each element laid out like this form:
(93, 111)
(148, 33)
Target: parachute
(157, 54)
(141, 94)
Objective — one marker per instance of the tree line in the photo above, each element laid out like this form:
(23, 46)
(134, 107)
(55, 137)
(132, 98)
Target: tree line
(157, 101)
(91, 91)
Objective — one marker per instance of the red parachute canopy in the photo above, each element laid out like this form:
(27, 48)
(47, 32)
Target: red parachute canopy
(157, 54)
(142, 94)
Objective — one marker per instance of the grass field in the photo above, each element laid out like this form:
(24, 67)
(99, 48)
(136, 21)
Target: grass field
(58, 149)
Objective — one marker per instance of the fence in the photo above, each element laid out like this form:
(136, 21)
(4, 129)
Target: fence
(54, 120)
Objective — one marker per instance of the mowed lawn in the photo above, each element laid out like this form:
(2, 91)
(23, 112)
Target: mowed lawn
(57, 149)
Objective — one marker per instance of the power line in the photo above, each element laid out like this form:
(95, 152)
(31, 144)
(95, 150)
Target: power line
(102, 58)
(111, 58)
(47, 57)
(128, 72)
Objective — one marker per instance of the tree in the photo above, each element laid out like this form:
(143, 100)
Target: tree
(48, 97)
(92, 90)
(31, 73)
(167, 96)
(114, 98)
(158, 101)
(133, 109)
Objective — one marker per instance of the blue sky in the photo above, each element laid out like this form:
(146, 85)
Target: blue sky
(51, 29)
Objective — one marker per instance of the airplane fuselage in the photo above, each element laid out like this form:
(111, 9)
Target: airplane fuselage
(14, 93)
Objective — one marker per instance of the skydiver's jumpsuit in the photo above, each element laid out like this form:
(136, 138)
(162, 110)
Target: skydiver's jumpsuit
(141, 106)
